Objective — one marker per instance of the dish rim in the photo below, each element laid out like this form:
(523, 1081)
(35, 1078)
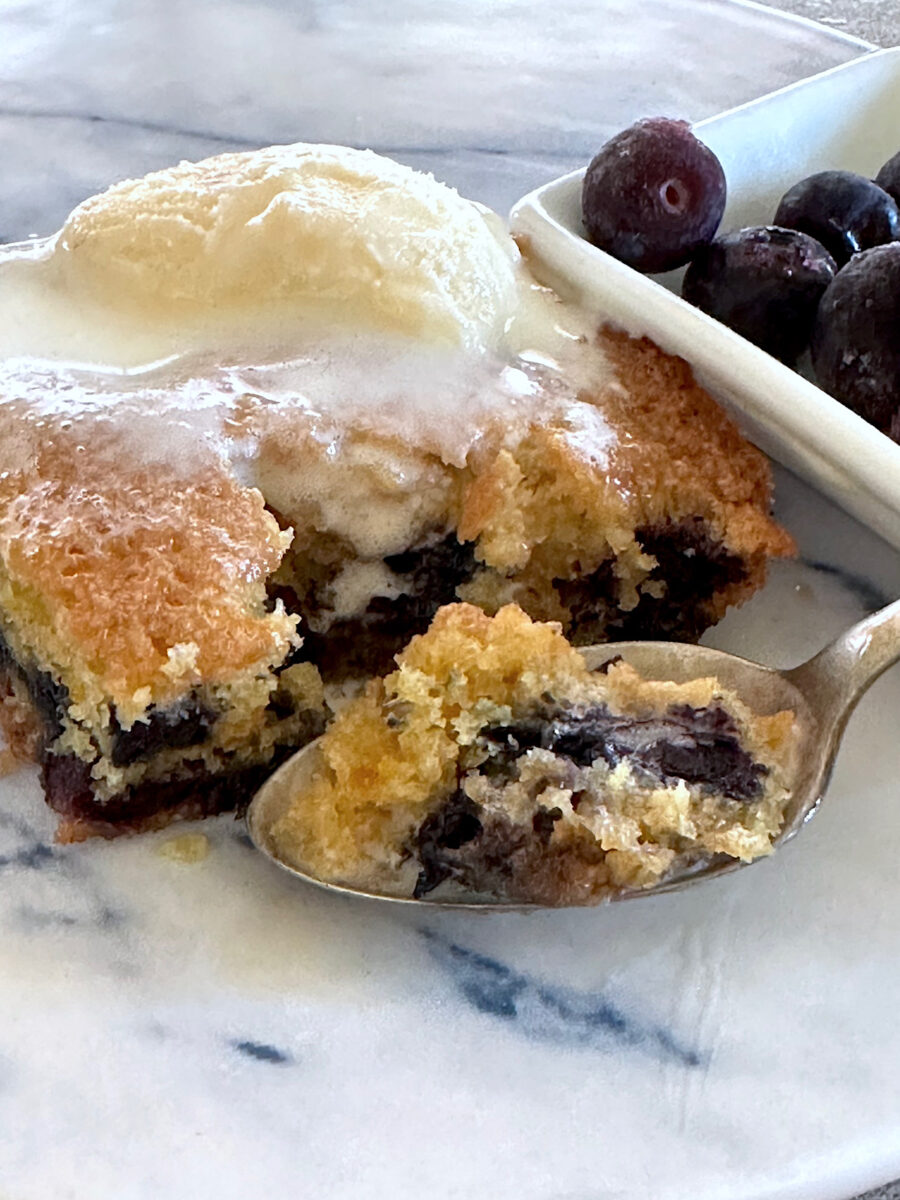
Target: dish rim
(814, 435)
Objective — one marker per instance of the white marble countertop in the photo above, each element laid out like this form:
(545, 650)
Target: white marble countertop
(877, 21)
(95, 91)
(214, 1032)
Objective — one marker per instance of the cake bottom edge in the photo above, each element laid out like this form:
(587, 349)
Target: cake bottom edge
(151, 805)
(148, 807)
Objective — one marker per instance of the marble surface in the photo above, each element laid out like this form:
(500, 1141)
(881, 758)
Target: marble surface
(876, 20)
(212, 1030)
(94, 91)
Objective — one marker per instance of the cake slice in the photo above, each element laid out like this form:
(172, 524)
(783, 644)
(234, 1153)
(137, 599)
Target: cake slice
(493, 761)
(141, 661)
(263, 415)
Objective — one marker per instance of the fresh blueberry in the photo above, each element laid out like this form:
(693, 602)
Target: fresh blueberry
(653, 195)
(856, 341)
(765, 283)
(844, 211)
(889, 177)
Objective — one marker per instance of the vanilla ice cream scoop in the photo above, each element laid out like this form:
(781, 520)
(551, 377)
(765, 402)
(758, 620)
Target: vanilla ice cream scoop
(342, 229)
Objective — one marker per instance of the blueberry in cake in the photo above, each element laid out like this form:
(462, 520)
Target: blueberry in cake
(494, 762)
(261, 416)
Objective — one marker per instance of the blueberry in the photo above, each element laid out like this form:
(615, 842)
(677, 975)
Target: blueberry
(765, 283)
(653, 195)
(856, 341)
(889, 177)
(845, 212)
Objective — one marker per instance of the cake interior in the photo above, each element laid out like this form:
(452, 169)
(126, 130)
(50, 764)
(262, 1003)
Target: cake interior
(492, 762)
(171, 764)
(677, 538)
(692, 574)
(523, 822)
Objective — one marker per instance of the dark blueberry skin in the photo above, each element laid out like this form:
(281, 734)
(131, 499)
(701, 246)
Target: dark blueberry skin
(889, 177)
(856, 341)
(765, 283)
(845, 212)
(653, 195)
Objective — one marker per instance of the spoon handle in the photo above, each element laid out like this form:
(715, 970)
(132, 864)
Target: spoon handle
(837, 676)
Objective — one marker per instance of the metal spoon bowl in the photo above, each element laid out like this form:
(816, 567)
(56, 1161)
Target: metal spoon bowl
(822, 693)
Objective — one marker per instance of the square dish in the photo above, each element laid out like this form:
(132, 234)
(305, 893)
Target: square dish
(843, 118)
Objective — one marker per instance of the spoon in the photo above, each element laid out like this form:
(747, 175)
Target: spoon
(822, 693)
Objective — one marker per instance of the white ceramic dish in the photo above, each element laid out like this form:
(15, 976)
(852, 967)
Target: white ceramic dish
(848, 117)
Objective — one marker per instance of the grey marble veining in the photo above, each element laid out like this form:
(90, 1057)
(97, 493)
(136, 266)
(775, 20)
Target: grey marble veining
(214, 1031)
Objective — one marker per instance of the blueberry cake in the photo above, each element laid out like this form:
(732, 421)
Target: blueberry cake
(261, 416)
(493, 762)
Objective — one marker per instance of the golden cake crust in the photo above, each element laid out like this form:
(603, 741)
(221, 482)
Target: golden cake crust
(149, 579)
(549, 508)
(695, 448)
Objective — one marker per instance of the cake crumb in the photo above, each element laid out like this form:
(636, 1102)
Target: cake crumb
(10, 762)
(493, 759)
(186, 848)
